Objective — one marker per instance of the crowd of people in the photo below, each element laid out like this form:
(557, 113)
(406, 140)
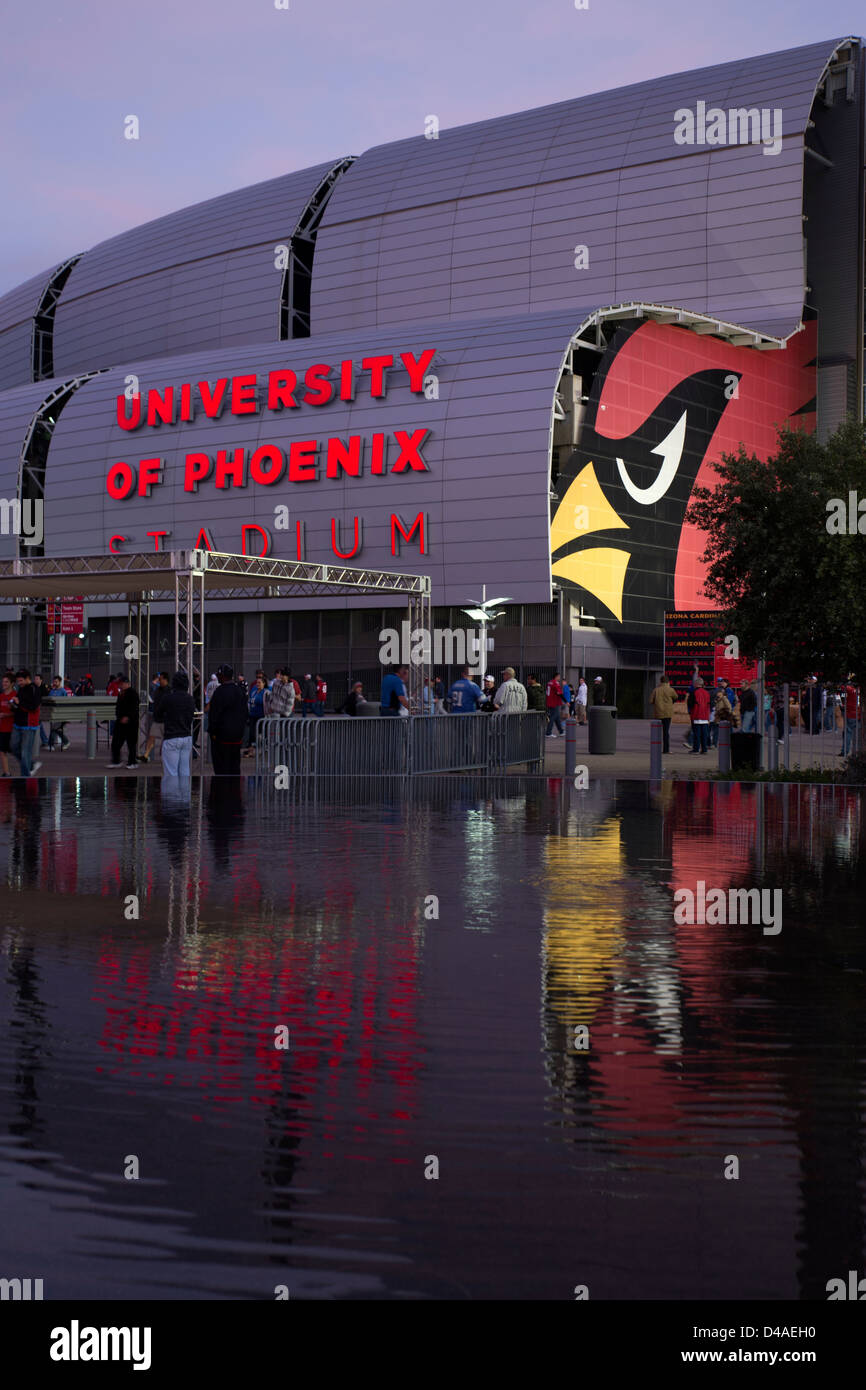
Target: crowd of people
(563, 702)
(555, 697)
(21, 719)
(814, 708)
(163, 724)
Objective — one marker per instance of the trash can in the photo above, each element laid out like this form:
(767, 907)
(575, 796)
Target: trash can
(602, 728)
(745, 751)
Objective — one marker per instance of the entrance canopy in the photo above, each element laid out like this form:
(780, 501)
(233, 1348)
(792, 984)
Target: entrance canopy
(113, 578)
(189, 577)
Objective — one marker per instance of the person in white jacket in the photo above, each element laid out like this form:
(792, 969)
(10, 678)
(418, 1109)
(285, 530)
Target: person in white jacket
(510, 698)
(580, 700)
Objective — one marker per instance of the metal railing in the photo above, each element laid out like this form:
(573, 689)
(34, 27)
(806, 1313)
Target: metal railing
(346, 746)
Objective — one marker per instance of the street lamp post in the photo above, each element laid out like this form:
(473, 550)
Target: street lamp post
(483, 614)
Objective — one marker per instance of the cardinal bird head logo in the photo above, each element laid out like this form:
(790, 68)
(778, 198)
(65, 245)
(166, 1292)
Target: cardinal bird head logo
(620, 502)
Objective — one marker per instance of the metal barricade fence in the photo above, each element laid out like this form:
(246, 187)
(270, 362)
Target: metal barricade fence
(346, 746)
(516, 738)
(455, 743)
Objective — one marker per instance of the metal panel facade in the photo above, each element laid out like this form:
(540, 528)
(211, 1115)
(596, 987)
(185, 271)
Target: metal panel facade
(485, 494)
(486, 218)
(204, 277)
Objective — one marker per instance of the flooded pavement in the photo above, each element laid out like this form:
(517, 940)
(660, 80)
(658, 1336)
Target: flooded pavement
(481, 978)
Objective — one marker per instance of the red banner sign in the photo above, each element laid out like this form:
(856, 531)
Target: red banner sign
(67, 617)
(734, 670)
(690, 641)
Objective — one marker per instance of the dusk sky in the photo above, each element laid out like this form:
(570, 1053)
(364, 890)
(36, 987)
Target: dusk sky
(229, 92)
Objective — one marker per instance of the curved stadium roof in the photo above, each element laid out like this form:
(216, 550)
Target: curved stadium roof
(481, 221)
(485, 219)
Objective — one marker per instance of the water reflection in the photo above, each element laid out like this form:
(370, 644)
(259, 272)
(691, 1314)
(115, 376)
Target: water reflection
(434, 951)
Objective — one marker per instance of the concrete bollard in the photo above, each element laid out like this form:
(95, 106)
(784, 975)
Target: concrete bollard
(570, 746)
(772, 749)
(724, 746)
(655, 750)
(90, 734)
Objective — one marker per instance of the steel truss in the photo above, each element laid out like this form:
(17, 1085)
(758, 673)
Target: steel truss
(189, 578)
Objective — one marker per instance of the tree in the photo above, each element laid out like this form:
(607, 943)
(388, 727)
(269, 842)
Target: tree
(792, 587)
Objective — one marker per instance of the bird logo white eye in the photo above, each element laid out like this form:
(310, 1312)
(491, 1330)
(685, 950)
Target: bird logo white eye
(671, 451)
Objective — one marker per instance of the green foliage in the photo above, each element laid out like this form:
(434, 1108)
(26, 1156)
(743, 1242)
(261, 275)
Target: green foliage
(789, 589)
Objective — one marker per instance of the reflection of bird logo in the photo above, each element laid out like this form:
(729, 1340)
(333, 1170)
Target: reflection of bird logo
(640, 485)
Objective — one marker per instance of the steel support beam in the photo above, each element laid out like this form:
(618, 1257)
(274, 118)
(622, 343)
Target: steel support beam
(419, 620)
(137, 664)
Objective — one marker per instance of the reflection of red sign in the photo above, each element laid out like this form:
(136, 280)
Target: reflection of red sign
(734, 670)
(65, 617)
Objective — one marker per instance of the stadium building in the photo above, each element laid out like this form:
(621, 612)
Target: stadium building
(501, 355)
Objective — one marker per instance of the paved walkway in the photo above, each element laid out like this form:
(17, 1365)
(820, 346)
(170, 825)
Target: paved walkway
(630, 761)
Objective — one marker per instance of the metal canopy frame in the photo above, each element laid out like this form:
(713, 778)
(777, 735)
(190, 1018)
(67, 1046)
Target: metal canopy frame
(189, 578)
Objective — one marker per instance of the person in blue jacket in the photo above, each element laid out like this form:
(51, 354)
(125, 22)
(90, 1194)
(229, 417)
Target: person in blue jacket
(464, 694)
(256, 705)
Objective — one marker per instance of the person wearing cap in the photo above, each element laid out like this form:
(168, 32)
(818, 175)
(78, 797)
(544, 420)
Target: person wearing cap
(125, 725)
(599, 691)
(227, 718)
(308, 693)
(85, 685)
(488, 688)
(511, 697)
